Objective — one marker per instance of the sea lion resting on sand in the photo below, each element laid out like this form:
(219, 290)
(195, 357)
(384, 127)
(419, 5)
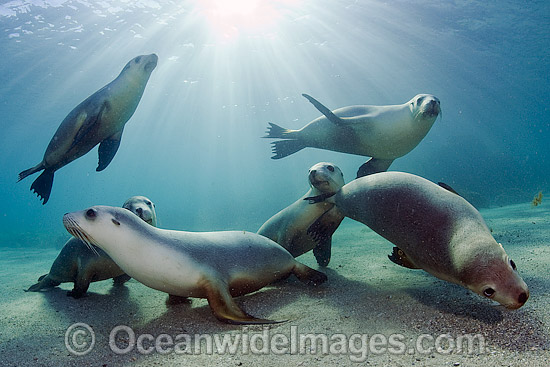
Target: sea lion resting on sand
(211, 265)
(79, 264)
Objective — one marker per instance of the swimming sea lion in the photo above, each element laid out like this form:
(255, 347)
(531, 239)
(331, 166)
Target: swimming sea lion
(211, 265)
(99, 119)
(434, 229)
(289, 226)
(79, 264)
(381, 132)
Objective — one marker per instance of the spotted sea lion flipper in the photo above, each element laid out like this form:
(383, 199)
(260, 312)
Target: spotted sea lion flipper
(400, 258)
(107, 150)
(224, 307)
(324, 110)
(374, 165)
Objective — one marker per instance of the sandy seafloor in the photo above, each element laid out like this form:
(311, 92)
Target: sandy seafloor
(365, 294)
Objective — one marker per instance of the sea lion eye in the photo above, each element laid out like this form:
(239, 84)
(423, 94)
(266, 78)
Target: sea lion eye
(90, 213)
(489, 292)
(513, 264)
(330, 168)
(138, 59)
(116, 222)
(148, 203)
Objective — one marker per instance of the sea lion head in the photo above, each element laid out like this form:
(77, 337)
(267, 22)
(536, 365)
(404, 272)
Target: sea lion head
(142, 207)
(425, 106)
(326, 177)
(105, 227)
(142, 64)
(492, 274)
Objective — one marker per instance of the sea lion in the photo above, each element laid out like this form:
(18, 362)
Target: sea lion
(289, 226)
(381, 132)
(79, 264)
(211, 265)
(434, 229)
(99, 119)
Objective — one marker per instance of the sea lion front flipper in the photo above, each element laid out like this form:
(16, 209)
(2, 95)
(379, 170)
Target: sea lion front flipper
(324, 227)
(44, 282)
(325, 111)
(85, 123)
(81, 284)
(107, 150)
(121, 279)
(308, 275)
(322, 252)
(224, 307)
(374, 165)
(400, 258)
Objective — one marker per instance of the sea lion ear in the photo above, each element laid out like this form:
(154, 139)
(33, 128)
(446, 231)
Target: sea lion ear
(448, 188)
(116, 222)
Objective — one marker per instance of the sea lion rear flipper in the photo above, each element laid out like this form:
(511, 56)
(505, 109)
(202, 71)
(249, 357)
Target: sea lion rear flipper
(107, 150)
(374, 165)
(400, 258)
(308, 275)
(42, 186)
(322, 252)
(325, 226)
(224, 307)
(283, 148)
(325, 111)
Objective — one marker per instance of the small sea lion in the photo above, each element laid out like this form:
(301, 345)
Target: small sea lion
(77, 263)
(381, 132)
(99, 119)
(212, 265)
(434, 229)
(289, 226)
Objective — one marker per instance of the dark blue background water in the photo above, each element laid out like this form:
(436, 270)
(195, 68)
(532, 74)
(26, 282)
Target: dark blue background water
(193, 146)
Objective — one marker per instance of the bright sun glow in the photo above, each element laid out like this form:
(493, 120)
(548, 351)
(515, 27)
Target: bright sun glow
(231, 18)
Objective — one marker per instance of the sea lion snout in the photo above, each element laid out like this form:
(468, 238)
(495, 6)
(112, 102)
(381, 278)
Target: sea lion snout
(523, 298)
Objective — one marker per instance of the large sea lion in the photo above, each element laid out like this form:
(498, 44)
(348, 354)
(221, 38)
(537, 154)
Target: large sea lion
(434, 229)
(381, 132)
(77, 263)
(289, 226)
(99, 119)
(211, 265)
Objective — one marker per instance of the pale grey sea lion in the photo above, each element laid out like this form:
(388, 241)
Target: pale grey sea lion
(434, 229)
(99, 119)
(77, 263)
(211, 265)
(289, 226)
(381, 132)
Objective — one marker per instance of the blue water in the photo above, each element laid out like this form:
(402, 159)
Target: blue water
(193, 146)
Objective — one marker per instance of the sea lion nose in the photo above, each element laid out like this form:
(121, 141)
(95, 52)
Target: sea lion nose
(523, 298)
(139, 211)
(312, 173)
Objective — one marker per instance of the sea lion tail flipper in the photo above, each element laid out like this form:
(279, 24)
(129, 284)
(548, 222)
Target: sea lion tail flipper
(400, 258)
(107, 150)
(374, 165)
(224, 307)
(325, 111)
(42, 186)
(277, 132)
(322, 252)
(30, 171)
(283, 148)
(308, 275)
